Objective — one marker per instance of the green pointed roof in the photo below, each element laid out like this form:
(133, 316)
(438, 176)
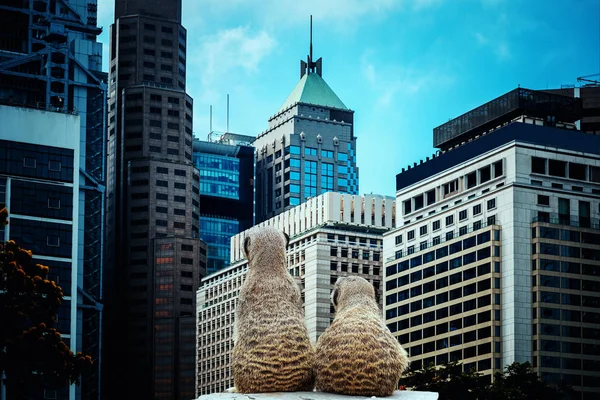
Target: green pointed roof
(312, 89)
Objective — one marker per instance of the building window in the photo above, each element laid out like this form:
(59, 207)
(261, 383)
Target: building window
(477, 209)
(491, 204)
(310, 151)
(293, 150)
(484, 174)
(543, 200)
(54, 165)
(450, 187)
(471, 180)
(557, 168)
(29, 162)
(54, 203)
(326, 154)
(462, 215)
(407, 206)
(410, 235)
(436, 225)
(538, 165)
(398, 239)
(423, 230)
(449, 220)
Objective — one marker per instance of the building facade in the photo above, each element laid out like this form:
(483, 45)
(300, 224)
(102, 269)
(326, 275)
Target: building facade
(496, 255)
(39, 184)
(308, 149)
(226, 167)
(331, 235)
(50, 60)
(153, 200)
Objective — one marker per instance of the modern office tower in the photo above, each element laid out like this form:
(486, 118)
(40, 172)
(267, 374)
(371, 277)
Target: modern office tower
(308, 149)
(50, 60)
(331, 235)
(39, 184)
(156, 256)
(496, 257)
(226, 167)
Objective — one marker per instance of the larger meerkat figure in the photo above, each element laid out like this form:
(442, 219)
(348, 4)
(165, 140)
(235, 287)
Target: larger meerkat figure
(357, 355)
(272, 351)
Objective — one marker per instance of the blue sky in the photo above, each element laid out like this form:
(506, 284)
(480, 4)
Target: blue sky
(403, 66)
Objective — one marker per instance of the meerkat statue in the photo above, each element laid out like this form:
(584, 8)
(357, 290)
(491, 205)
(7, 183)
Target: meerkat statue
(357, 355)
(272, 351)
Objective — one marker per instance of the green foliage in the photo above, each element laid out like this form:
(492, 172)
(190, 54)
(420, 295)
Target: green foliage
(31, 351)
(517, 382)
(448, 380)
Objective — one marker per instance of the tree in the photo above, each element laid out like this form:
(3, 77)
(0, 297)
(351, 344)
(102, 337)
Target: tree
(448, 380)
(519, 381)
(32, 353)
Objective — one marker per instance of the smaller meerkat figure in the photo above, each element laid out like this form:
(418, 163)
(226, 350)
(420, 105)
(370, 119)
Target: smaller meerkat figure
(272, 351)
(357, 355)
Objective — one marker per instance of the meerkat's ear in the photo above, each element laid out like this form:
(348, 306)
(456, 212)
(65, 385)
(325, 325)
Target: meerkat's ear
(247, 246)
(334, 296)
(287, 239)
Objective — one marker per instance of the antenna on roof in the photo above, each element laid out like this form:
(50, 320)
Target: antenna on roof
(310, 58)
(309, 66)
(227, 130)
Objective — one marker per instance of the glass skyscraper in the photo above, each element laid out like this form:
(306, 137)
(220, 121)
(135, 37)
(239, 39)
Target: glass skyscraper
(226, 193)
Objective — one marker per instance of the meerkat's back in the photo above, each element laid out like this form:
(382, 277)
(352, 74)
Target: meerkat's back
(357, 354)
(272, 352)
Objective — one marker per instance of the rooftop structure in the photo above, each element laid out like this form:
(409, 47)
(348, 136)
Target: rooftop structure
(533, 103)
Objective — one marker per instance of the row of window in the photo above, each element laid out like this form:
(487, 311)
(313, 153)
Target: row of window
(565, 251)
(569, 283)
(440, 283)
(565, 234)
(455, 340)
(566, 315)
(448, 251)
(555, 346)
(436, 225)
(565, 267)
(470, 180)
(564, 169)
(566, 331)
(563, 298)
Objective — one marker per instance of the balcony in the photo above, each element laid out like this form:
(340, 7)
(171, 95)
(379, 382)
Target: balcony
(568, 220)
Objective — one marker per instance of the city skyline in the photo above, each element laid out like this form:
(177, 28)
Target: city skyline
(403, 67)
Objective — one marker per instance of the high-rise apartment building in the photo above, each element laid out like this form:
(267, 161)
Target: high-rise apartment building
(496, 257)
(308, 149)
(153, 199)
(226, 166)
(50, 61)
(331, 235)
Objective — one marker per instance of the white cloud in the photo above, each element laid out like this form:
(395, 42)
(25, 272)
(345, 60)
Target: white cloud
(503, 51)
(231, 51)
(481, 39)
(281, 14)
(390, 82)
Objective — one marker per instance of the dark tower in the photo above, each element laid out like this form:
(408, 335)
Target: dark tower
(155, 256)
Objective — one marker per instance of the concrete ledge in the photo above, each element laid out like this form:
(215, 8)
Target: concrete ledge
(398, 395)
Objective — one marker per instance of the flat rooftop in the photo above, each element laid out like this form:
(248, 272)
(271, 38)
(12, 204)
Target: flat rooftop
(520, 101)
(521, 132)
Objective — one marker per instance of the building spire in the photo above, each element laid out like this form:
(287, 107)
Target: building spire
(309, 67)
(311, 54)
